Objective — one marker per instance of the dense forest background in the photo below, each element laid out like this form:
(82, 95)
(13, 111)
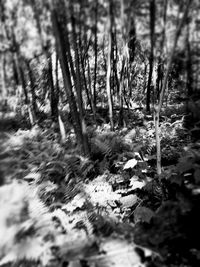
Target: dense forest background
(99, 133)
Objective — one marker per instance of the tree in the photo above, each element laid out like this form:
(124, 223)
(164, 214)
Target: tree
(169, 64)
(108, 76)
(152, 8)
(62, 53)
(95, 52)
(54, 94)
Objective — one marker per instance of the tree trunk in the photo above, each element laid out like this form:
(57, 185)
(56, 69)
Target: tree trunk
(19, 76)
(189, 82)
(95, 54)
(53, 92)
(22, 82)
(121, 94)
(169, 64)
(116, 83)
(88, 88)
(89, 93)
(151, 57)
(160, 66)
(3, 77)
(122, 74)
(171, 56)
(84, 44)
(56, 80)
(108, 76)
(159, 78)
(158, 149)
(45, 48)
(67, 80)
(145, 79)
(32, 89)
(78, 84)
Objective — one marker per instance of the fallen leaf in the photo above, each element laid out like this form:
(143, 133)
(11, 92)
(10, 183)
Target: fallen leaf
(130, 164)
(136, 184)
(128, 201)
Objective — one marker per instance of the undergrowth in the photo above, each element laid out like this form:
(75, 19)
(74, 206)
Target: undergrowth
(64, 208)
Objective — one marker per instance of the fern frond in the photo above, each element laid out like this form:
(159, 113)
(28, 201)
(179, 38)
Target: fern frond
(100, 149)
(87, 169)
(71, 191)
(24, 222)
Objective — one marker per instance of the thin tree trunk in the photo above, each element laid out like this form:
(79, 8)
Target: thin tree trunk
(189, 64)
(56, 80)
(104, 55)
(108, 76)
(45, 48)
(66, 76)
(158, 149)
(3, 76)
(84, 57)
(32, 89)
(121, 94)
(82, 54)
(151, 57)
(95, 54)
(159, 78)
(53, 92)
(115, 60)
(121, 85)
(19, 76)
(145, 79)
(22, 82)
(89, 90)
(169, 64)
(18, 71)
(78, 84)
(160, 67)
(171, 56)
(69, 56)
(77, 63)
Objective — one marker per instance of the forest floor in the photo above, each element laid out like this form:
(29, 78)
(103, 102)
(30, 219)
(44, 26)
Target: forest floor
(59, 208)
